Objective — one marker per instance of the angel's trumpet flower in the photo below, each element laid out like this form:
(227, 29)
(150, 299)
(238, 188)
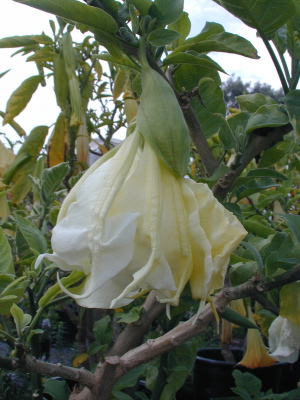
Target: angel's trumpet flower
(131, 225)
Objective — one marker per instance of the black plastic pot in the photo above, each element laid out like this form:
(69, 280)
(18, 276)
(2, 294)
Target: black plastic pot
(213, 376)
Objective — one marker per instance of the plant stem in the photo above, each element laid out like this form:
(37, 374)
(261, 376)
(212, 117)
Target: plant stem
(161, 378)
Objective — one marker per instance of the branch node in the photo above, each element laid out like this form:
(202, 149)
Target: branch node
(174, 341)
(260, 287)
(112, 360)
(150, 342)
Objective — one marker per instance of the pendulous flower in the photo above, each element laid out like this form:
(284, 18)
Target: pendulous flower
(284, 340)
(256, 353)
(132, 225)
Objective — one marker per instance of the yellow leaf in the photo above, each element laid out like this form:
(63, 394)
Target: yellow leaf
(290, 302)
(56, 144)
(21, 97)
(79, 360)
(120, 84)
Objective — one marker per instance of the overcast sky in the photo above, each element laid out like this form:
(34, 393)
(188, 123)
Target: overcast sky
(18, 19)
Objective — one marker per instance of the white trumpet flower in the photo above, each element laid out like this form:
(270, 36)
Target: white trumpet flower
(284, 340)
(131, 225)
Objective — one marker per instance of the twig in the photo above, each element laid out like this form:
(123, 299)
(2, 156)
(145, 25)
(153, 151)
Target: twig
(256, 145)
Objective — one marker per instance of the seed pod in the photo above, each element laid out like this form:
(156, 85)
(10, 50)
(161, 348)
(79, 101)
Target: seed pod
(74, 88)
(161, 120)
(61, 86)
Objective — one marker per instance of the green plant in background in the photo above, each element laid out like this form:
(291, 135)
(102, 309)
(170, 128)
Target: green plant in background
(247, 156)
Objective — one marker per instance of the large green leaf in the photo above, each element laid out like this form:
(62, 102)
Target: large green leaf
(51, 179)
(267, 116)
(222, 42)
(34, 141)
(182, 26)
(6, 260)
(169, 11)
(293, 222)
(162, 37)
(266, 16)
(142, 6)
(255, 186)
(55, 290)
(188, 76)
(251, 102)
(32, 235)
(73, 10)
(210, 29)
(103, 330)
(124, 61)
(20, 41)
(130, 378)
(292, 101)
(59, 390)
(21, 97)
(45, 53)
(192, 58)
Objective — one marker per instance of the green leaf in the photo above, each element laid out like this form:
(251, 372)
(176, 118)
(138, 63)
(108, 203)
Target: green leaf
(20, 41)
(55, 290)
(44, 54)
(255, 186)
(6, 259)
(130, 378)
(34, 142)
(20, 131)
(255, 254)
(192, 58)
(251, 102)
(276, 153)
(247, 381)
(188, 76)
(271, 264)
(292, 101)
(182, 26)
(209, 29)
(32, 235)
(169, 11)
(257, 228)
(4, 73)
(267, 116)
(162, 37)
(121, 396)
(18, 316)
(222, 42)
(14, 167)
(293, 222)
(21, 97)
(103, 330)
(142, 6)
(94, 347)
(59, 390)
(264, 15)
(265, 172)
(51, 179)
(235, 318)
(92, 17)
(124, 61)
(127, 317)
